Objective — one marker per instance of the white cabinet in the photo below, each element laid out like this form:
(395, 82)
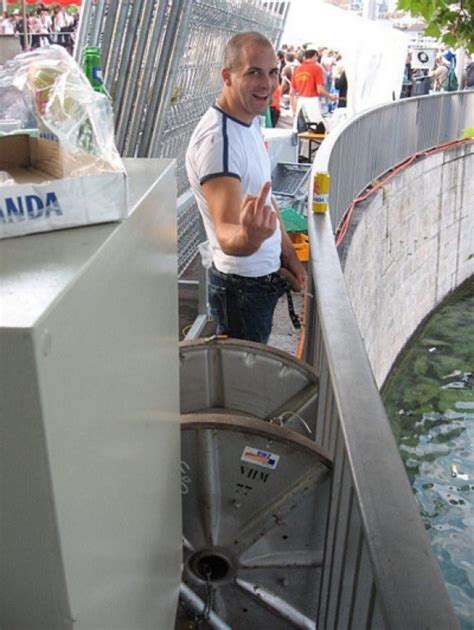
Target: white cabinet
(90, 531)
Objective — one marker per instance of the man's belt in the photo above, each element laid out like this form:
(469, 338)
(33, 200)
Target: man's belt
(271, 279)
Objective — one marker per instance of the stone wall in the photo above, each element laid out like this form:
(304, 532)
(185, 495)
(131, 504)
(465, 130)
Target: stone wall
(408, 247)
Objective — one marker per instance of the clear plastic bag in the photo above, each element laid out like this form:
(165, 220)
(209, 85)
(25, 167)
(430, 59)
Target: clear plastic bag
(205, 251)
(5, 178)
(46, 92)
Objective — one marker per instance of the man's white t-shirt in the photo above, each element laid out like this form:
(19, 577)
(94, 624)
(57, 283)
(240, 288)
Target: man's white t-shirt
(224, 146)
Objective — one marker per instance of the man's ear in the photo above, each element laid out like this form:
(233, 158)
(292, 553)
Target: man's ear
(225, 74)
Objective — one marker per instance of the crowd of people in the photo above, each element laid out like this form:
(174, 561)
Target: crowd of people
(312, 83)
(45, 25)
(442, 78)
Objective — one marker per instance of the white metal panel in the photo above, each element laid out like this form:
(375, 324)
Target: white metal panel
(105, 360)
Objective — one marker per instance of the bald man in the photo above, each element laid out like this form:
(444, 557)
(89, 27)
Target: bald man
(229, 170)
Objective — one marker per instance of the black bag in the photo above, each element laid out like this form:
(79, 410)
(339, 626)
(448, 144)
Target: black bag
(316, 127)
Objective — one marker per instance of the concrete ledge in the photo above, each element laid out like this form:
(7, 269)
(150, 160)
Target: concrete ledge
(409, 246)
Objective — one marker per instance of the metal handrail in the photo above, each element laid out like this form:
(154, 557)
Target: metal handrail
(379, 568)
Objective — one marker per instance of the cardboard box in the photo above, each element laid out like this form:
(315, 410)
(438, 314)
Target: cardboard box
(41, 194)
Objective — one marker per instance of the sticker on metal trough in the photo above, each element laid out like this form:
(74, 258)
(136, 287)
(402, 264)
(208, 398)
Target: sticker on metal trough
(261, 458)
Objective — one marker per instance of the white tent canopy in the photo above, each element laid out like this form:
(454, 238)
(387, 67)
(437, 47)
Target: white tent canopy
(373, 52)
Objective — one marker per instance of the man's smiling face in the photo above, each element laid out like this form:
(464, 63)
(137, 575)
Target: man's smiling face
(249, 86)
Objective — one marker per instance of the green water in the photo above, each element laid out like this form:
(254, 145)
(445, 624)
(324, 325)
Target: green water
(430, 404)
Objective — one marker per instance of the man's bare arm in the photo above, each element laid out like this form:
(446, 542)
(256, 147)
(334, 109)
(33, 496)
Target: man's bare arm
(293, 100)
(323, 92)
(241, 224)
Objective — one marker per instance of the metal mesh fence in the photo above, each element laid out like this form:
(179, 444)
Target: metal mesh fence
(162, 61)
(198, 79)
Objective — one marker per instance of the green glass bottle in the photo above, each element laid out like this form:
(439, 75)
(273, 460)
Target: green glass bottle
(268, 119)
(92, 66)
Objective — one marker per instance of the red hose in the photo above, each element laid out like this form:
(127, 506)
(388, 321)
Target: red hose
(344, 225)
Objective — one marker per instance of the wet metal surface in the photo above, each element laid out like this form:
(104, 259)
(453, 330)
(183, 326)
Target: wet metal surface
(255, 502)
(244, 377)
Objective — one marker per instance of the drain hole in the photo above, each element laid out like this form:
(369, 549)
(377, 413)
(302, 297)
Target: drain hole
(211, 566)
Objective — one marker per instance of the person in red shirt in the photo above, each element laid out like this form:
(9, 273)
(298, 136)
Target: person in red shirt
(275, 106)
(308, 75)
(307, 86)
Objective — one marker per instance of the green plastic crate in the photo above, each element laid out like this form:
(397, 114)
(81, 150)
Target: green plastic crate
(293, 222)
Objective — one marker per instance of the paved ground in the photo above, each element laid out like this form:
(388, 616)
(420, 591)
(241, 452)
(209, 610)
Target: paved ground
(284, 336)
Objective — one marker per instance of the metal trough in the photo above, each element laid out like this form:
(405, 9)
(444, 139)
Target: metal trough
(255, 505)
(233, 376)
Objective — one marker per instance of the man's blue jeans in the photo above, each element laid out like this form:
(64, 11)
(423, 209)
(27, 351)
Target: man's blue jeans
(243, 307)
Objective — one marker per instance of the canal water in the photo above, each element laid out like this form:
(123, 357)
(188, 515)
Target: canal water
(430, 403)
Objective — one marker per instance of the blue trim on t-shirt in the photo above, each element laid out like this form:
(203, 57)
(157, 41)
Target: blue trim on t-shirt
(225, 158)
(240, 122)
(206, 178)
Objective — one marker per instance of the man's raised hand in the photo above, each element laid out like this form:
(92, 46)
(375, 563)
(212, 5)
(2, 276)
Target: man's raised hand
(257, 219)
